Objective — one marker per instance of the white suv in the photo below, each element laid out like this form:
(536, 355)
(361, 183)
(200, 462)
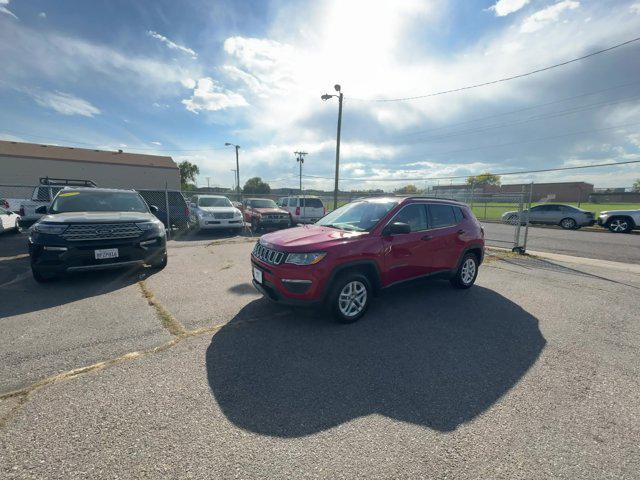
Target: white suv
(620, 221)
(303, 209)
(215, 212)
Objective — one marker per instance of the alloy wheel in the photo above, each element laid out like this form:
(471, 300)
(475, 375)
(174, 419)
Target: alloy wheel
(468, 272)
(618, 225)
(352, 299)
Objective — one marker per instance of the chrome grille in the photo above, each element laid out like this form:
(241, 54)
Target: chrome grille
(273, 216)
(101, 231)
(223, 215)
(267, 255)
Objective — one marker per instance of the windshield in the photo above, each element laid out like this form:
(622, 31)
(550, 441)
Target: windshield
(88, 201)
(214, 202)
(358, 216)
(262, 203)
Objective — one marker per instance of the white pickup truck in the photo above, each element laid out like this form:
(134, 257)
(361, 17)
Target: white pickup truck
(42, 195)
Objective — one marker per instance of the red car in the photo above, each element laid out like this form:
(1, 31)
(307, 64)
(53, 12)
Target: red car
(351, 254)
(263, 212)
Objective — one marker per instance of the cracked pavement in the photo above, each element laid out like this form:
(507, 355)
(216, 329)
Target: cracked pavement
(189, 373)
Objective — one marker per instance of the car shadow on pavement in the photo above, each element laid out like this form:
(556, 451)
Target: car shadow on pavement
(22, 294)
(429, 355)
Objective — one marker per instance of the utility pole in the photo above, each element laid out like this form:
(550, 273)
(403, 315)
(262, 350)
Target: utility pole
(235, 178)
(340, 97)
(300, 160)
(208, 185)
(237, 147)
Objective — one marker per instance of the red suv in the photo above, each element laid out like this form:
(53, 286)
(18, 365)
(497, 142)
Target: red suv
(359, 249)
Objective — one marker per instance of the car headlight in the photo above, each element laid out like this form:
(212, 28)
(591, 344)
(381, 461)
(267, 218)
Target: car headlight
(305, 258)
(237, 214)
(49, 228)
(155, 227)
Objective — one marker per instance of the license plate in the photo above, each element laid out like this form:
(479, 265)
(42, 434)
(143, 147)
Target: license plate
(106, 253)
(257, 275)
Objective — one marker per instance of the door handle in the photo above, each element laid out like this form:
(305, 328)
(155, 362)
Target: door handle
(426, 238)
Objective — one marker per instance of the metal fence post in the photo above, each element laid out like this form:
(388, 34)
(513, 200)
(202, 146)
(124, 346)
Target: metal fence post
(516, 237)
(526, 228)
(166, 202)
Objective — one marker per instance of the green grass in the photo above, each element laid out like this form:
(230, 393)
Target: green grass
(493, 211)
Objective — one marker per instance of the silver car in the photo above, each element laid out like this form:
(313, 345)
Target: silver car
(567, 216)
(620, 221)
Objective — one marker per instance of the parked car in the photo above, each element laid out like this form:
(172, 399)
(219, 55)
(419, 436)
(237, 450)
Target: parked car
(264, 213)
(179, 214)
(9, 221)
(43, 196)
(567, 216)
(303, 209)
(215, 212)
(366, 246)
(95, 229)
(620, 221)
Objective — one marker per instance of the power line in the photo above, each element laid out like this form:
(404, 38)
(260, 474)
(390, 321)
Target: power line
(505, 79)
(502, 174)
(532, 107)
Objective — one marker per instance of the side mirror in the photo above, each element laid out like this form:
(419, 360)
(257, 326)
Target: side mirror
(153, 209)
(41, 210)
(398, 228)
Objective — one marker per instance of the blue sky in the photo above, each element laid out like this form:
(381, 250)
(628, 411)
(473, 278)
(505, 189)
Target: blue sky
(182, 78)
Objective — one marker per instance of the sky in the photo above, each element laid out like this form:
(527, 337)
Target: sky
(182, 78)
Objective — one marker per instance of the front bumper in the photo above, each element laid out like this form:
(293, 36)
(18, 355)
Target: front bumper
(214, 223)
(291, 284)
(58, 257)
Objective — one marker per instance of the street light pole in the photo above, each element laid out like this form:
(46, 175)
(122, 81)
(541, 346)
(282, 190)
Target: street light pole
(235, 178)
(237, 147)
(339, 97)
(300, 160)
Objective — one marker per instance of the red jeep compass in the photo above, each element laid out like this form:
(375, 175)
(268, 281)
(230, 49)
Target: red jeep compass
(367, 245)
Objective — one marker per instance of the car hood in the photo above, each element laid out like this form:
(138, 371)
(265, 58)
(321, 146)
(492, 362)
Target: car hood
(270, 210)
(308, 238)
(219, 209)
(619, 212)
(98, 217)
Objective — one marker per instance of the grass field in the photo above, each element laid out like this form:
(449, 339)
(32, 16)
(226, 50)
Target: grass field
(494, 211)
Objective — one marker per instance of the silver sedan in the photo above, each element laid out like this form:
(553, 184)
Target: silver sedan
(567, 216)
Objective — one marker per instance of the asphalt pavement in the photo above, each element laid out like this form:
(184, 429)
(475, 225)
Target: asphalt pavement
(532, 373)
(602, 245)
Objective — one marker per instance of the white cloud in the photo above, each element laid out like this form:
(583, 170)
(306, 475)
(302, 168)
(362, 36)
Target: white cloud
(157, 143)
(5, 10)
(547, 15)
(66, 104)
(42, 15)
(172, 45)
(635, 8)
(210, 95)
(503, 8)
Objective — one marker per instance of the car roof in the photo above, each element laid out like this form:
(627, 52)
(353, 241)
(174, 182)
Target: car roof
(95, 189)
(403, 200)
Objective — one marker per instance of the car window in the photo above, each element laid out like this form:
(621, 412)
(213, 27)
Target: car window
(414, 214)
(553, 208)
(262, 203)
(457, 211)
(312, 203)
(214, 202)
(539, 208)
(358, 216)
(441, 215)
(83, 201)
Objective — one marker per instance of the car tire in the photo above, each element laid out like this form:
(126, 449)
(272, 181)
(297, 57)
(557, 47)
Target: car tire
(162, 263)
(568, 223)
(345, 291)
(467, 272)
(40, 277)
(620, 225)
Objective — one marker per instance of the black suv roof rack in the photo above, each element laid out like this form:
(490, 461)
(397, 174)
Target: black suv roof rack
(67, 182)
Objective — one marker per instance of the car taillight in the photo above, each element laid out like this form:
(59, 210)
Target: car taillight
(297, 210)
(21, 212)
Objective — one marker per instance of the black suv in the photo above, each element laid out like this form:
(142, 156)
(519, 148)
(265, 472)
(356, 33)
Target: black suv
(94, 229)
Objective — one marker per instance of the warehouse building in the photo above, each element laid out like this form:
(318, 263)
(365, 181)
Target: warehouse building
(25, 163)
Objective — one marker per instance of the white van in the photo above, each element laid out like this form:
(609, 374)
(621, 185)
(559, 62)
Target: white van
(303, 209)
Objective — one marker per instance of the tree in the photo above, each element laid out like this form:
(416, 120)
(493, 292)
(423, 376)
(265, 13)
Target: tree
(188, 173)
(636, 186)
(256, 185)
(407, 190)
(484, 179)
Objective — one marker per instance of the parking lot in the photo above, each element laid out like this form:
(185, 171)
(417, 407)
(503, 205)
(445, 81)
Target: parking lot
(189, 373)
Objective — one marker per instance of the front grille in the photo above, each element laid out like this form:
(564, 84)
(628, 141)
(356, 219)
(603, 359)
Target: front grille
(223, 215)
(275, 217)
(101, 231)
(267, 255)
